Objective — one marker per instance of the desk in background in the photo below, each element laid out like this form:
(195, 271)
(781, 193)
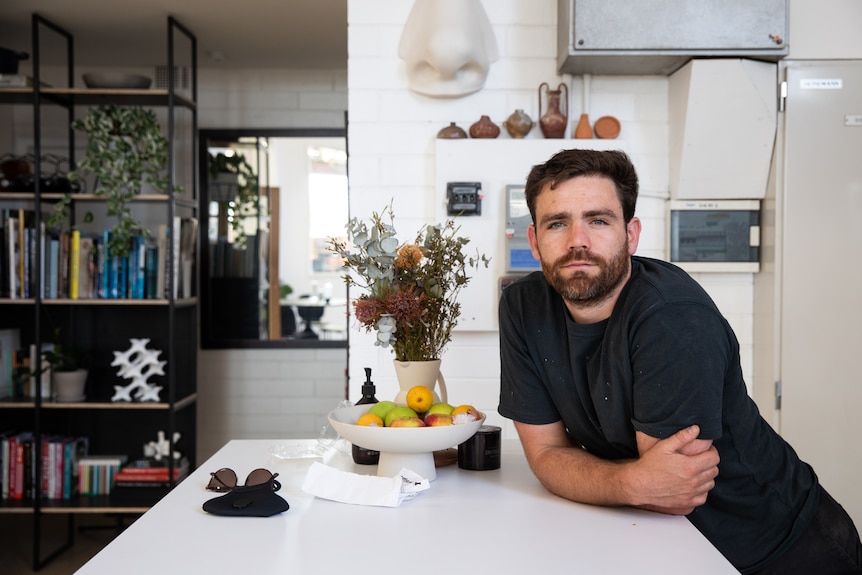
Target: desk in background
(487, 522)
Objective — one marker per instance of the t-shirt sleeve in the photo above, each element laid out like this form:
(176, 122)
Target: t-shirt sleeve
(523, 396)
(681, 356)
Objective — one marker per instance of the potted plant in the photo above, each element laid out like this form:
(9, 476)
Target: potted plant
(233, 182)
(125, 150)
(68, 372)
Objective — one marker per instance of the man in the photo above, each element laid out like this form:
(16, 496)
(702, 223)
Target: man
(624, 383)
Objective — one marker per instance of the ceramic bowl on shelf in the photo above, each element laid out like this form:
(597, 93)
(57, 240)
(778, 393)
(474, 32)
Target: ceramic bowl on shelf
(410, 447)
(607, 127)
(116, 80)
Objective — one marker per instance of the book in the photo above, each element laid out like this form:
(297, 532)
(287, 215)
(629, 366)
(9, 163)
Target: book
(53, 267)
(74, 264)
(12, 256)
(42, 378)
(5, 438)
(85, 268)
(162, 247)
(10, 341)
(63, 277)
(151, 271)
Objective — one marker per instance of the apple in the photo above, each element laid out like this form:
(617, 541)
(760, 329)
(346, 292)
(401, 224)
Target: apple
(382, 408)
(407, 421)
(444, 408)
(465, 414)
(398, 411)
(438, 419)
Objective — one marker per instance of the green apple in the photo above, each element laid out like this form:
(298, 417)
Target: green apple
(441, 408)
(398, 411)
(382, 408)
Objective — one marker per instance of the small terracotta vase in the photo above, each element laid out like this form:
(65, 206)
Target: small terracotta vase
(484, 128)
(554, 122)
(583, 131)
(452, 132)
(518, 124)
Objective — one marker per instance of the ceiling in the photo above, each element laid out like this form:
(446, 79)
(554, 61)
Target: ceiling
(302, 34)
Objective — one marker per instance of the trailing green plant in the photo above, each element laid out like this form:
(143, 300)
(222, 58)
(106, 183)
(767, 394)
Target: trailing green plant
(125, 150)
(245, 201)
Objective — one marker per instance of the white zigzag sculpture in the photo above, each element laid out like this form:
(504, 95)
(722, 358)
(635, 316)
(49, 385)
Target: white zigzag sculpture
(138, 364)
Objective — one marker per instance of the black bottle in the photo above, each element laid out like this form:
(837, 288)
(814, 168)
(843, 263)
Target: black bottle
(360, 454)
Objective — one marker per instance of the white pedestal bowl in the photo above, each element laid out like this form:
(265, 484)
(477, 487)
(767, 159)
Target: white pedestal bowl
(410, 447)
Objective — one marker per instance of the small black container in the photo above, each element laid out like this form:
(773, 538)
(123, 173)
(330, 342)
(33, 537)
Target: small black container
(9, 60)
(482, 451)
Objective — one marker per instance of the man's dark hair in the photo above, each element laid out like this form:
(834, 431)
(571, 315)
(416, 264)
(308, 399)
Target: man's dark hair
(569, 164)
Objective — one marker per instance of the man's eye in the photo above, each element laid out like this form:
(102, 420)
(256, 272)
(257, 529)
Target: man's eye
(599, 222)
(555, 225)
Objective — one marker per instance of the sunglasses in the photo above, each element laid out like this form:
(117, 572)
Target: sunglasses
(225, 479)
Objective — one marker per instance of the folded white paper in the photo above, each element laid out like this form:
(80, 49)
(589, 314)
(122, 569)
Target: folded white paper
(346, 487)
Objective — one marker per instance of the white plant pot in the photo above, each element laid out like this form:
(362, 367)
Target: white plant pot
(69, 385)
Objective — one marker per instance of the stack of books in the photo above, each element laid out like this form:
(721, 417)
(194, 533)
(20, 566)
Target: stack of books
(150, 473)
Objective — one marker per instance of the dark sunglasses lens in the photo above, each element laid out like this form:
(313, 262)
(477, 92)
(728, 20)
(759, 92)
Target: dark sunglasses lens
(222, 480)
(258, 477)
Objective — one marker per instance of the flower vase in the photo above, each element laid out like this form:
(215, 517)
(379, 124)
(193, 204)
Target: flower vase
(413, 373)
(553, 122)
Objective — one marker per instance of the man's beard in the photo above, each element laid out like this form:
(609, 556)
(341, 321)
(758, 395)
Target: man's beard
(581, 289)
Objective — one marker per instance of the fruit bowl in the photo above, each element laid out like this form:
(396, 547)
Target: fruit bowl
(410, 447)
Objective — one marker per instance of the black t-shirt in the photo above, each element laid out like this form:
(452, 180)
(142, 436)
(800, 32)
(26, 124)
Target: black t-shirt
(664, 360)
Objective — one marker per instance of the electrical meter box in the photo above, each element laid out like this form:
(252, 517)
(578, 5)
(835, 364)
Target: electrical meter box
(715, 235)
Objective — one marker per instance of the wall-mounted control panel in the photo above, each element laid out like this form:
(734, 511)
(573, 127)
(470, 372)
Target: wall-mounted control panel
(464, 198)
(519, 257)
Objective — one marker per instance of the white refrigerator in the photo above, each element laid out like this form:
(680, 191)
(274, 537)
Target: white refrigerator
(808, 296)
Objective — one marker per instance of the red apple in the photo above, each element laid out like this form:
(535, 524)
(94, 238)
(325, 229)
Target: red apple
(438, 419)
(407, 422)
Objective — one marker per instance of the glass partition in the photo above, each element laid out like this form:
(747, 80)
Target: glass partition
(269, 202)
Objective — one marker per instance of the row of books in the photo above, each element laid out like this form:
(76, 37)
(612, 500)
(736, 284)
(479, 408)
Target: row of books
(67, 469)
(96, 473)
(75, 265)
(60, 455)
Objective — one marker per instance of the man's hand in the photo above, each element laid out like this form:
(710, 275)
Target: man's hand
(674, 475)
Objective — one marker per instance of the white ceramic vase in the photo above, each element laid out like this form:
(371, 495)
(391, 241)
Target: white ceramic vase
(427, 373)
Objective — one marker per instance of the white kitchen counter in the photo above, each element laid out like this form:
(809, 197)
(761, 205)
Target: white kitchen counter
(500, 521)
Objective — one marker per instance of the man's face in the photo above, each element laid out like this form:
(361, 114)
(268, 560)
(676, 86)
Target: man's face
(582, 241)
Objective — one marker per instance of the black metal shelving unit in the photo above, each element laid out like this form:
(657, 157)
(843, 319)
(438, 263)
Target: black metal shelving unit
(105, 325)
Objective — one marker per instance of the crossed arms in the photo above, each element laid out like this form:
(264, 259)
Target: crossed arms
(672, 475)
